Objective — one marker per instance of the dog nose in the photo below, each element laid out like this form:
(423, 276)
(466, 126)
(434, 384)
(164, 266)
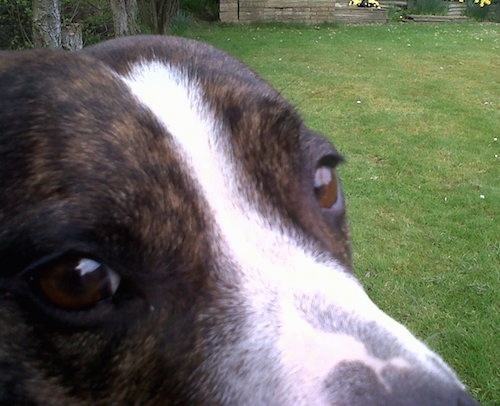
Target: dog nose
(464, 399)
(460, 398)
(469, 401)
(355, 384)
(453, 398)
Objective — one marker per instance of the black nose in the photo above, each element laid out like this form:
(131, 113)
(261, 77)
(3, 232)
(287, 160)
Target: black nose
(464, 399)
(355, 384)
(431, 398)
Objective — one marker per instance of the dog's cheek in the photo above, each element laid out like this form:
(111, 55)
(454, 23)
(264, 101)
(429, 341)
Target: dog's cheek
(39, 367)
(343, 243)
(148, 363)
(25, 377)
(129, 365)
(17, 347)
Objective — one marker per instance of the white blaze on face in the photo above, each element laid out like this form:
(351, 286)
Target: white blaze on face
(277, 271)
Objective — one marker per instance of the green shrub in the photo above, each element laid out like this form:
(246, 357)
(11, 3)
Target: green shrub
(15, 24)
(94, 16)
(206, 10)
(180, 23)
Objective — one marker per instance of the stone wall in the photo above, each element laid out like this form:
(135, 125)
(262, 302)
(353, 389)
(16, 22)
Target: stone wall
(228, 11)
(287, 11)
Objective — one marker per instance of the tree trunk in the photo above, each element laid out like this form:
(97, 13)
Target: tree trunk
(124, 17)
(72, 37)
(47, 23)
(160, 13)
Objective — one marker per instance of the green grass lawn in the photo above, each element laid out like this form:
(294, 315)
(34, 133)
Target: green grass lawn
(416, 111)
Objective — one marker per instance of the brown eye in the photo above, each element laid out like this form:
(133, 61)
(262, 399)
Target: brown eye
(325, 186)
(76, 283)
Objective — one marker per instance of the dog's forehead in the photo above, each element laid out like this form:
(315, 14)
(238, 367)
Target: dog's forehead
(197, 60)
(234, 95)
(85, 115)
(204, 97)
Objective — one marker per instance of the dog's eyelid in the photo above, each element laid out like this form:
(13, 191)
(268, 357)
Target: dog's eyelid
(332, 160)
(26, 272)
(55, 256)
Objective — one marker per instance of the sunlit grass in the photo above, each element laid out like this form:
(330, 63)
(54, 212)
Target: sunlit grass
(416, 111)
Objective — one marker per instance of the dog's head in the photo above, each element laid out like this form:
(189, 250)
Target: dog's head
(172, 233)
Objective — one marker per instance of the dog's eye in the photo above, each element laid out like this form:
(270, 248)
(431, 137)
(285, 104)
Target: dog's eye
(326, 186)
(75, 283)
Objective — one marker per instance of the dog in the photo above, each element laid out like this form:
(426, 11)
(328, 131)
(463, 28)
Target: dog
(172, 233)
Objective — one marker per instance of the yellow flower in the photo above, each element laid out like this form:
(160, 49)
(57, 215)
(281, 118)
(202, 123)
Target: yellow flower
(483, 3)
(368, 3)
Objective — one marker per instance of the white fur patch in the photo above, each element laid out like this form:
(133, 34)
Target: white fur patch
(276, 271)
